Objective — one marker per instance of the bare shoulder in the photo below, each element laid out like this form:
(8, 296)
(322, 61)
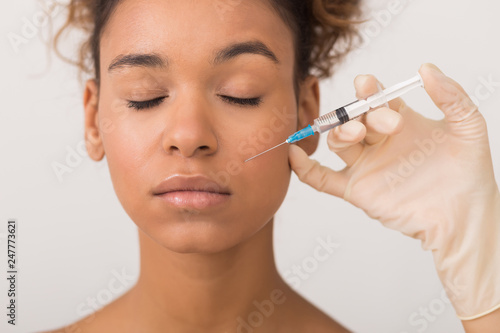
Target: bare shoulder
(104, 320)
(84, 325)
(302, 316)
(317, 321)
(75, 327)
(292, 313)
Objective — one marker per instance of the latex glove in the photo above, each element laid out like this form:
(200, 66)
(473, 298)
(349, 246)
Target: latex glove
(431, 180)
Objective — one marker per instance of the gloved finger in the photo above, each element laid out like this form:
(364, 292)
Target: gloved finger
(448, 96)
(367, 85)
(314, 174)
(380, 123)
(344, 140)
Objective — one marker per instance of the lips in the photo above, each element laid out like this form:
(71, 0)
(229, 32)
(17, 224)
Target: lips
(195, 192)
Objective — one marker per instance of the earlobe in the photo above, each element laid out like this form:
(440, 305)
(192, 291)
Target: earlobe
(93, 140)
(308, 110)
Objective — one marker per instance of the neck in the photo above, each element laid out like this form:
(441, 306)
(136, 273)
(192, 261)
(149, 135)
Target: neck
(187, 291)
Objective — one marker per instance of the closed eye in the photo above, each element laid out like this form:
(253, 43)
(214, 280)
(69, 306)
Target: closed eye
(242, 101)
(140, 105)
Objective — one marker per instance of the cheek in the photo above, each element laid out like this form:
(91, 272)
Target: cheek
(264, 181)
(126, 162)
(267, 182)
(129, 152)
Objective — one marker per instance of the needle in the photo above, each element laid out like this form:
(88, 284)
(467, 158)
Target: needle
(251, 158)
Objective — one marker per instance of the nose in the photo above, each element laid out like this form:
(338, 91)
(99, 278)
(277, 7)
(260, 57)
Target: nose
(189, 129)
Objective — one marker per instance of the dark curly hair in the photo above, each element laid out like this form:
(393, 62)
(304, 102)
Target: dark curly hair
(324, 31)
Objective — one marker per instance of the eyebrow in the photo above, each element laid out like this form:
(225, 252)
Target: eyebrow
(137, 60)
(252, 47)
(151, 60)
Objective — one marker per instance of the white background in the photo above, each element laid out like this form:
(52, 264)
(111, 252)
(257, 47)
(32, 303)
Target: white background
(74, 236)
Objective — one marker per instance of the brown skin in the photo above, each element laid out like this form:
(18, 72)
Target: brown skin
(200, 270)
(485, 324)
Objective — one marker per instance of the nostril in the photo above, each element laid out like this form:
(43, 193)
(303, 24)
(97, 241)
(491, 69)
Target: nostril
(190, 148)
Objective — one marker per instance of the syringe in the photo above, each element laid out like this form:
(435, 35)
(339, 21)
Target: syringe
(351, 111)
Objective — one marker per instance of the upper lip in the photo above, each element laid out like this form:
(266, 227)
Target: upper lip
(198, 183)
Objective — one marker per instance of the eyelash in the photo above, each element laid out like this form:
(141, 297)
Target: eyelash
(242, 101)
(140, 105)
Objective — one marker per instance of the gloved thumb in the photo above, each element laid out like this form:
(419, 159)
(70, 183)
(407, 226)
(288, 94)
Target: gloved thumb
(450, 98)
(314, 174)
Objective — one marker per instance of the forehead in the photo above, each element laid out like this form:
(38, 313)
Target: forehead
(186, 30)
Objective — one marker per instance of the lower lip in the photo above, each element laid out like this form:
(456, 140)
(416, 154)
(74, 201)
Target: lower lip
(194, 199)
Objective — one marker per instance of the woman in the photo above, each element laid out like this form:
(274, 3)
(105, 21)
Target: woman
(179, 88)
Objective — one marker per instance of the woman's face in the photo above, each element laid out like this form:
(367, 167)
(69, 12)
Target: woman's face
(218, 76)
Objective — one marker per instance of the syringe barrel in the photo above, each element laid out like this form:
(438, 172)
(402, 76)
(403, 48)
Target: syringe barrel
(338, 117)
(327, 121)
(357, 108)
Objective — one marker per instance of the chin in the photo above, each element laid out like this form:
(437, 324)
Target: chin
(201, 236)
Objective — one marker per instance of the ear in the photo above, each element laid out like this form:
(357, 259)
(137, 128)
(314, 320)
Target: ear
(308, 110)
(93, 140)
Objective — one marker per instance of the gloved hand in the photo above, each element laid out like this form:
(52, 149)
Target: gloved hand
(431, 180)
